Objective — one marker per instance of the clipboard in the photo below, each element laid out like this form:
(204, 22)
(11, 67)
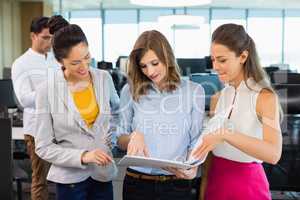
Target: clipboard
(156, 162)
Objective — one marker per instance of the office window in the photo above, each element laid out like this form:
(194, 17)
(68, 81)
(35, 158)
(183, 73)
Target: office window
(90, 21)
(149, 21)
(120, 33)
(265, 27)
(224, 16)
(193, 42)
(291, 39)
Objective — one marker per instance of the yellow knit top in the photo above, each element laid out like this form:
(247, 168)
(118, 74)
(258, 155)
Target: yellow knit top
(86, 104)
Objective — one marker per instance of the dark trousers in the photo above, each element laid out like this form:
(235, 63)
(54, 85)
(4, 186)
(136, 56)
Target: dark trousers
(140, 189)
(89, 189)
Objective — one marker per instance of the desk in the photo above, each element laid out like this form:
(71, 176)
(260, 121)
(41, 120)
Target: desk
(17, 133)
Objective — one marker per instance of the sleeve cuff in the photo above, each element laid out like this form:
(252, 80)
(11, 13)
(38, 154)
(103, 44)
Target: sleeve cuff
(80, 164)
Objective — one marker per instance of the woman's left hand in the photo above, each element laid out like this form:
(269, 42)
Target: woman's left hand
(209, 142)
(183, 173)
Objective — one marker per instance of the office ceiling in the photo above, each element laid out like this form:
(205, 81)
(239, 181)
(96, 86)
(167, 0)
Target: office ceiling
(94, 4)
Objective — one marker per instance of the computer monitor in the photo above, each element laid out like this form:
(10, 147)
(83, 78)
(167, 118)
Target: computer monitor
(209, 64)
(6, 72)
(289, 97)
(7, 97)
(284, 77)
(189, 66)
(210, 84)
(270, 72)
(104, 65)
(293, 78)
(271, 69)
(122, 63)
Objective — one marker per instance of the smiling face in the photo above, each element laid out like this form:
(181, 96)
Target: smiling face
(77, 62)
(153, 68)
(227, 64)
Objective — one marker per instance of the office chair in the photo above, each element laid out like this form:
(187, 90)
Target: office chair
(190, 66)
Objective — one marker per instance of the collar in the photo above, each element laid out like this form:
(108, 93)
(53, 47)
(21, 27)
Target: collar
(156, 89)
(243, 86)
(31, 51)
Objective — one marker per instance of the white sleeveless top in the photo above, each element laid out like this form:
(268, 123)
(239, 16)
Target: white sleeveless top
(243, 118)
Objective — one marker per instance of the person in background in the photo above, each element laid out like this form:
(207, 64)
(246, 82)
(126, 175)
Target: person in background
(251, 132)
(161, 117)
(76, 113)
(29, 71)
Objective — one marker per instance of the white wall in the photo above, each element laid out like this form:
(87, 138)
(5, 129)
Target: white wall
(10, 33)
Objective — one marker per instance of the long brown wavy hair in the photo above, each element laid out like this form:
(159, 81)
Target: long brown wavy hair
(157, 42)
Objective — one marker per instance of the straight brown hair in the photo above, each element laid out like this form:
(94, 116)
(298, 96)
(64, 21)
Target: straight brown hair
(236, 39)
(157, 42)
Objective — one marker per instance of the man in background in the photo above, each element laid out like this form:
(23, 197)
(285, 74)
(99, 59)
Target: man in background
(28, 72)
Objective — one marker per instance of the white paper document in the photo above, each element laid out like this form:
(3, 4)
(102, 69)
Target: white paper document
(156, 162)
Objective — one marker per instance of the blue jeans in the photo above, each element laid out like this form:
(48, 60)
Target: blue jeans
(89, 189)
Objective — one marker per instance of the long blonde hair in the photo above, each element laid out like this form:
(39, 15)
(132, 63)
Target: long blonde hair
(138, 81)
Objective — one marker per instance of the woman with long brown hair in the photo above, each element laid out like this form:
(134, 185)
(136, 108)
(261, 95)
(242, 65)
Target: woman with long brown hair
(161, 117)
(250, 133)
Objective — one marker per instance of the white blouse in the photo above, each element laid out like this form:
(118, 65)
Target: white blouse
(243, 118)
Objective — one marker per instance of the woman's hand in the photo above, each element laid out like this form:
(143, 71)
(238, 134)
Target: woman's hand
(209, 142)
(183, 173)
(96, 156)
(136, 145)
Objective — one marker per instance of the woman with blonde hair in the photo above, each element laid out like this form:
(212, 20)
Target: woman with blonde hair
(161, 117)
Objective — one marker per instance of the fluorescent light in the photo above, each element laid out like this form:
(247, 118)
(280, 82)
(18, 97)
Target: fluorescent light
(181, 21)
(170, 3)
